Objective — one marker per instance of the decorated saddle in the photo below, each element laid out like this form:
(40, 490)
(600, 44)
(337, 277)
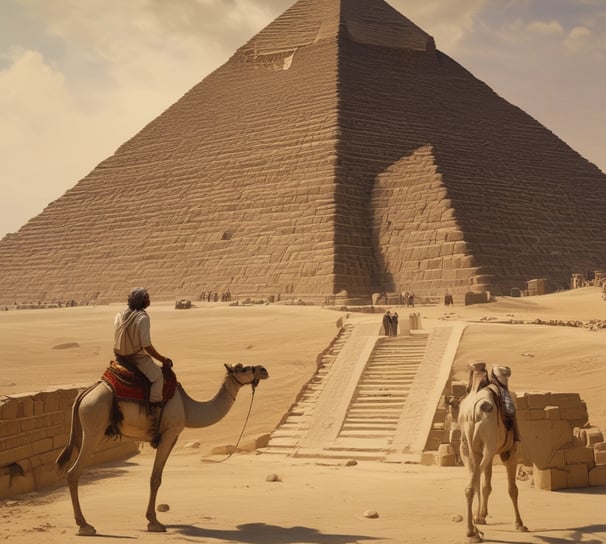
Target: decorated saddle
(129, 383)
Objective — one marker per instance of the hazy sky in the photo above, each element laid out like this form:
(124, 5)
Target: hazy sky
(80, 77)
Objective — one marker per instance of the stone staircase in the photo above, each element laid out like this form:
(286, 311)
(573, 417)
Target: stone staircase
(373, 410)
(373, 415)
(295, 423)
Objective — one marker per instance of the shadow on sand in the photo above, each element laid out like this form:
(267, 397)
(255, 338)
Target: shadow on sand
(578, 534)
(261, 533)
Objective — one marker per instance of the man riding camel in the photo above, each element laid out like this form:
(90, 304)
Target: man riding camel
(133, 347)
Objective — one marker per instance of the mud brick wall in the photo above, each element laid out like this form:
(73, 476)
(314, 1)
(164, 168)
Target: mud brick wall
(557, 440)
(34, 428)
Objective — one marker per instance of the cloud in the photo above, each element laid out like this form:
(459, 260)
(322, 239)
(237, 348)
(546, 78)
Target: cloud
(550, 28)
(447, 22)
(579, 39)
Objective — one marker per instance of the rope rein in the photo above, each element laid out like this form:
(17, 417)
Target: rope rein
(252, 398)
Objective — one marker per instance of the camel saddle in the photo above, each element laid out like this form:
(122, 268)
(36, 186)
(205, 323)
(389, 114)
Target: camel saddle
(129, 383)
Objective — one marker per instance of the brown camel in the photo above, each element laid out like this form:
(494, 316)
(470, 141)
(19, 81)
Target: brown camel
(91, 416)
(484, 434)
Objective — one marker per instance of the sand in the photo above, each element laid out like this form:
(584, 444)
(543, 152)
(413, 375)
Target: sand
(310, 501)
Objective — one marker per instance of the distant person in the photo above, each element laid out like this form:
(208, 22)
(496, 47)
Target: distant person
(387, 323)
(133, 345)
(394, 324)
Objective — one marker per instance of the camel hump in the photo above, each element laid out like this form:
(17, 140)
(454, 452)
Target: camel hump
(501, 374)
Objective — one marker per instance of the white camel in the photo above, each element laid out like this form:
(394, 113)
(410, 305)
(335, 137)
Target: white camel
(484, 435)
(92, 413)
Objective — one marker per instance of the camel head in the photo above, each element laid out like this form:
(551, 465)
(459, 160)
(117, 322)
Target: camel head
(478, 376)
(245, 375)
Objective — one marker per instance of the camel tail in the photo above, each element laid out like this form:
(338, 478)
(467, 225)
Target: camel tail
(75, 433)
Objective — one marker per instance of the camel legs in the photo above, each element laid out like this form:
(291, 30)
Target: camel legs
(166, 445)
(511, 466)
(473, 462)
(486, 489)
(89, 442)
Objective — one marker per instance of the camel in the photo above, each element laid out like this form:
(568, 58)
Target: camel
(483, 435)
(92, 413)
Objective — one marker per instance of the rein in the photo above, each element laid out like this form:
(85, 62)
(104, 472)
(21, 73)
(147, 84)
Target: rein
(253, 386)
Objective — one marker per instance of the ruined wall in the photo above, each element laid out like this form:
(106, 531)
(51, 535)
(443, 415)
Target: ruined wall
(557, 440)
(34, 428)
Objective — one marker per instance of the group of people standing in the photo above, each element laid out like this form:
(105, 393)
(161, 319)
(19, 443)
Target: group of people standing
(390, 323)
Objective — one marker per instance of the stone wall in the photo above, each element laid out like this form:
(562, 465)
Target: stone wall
(558, 442)
(34, 428)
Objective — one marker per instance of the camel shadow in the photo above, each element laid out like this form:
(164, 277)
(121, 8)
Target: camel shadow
(261, 533)
(577, 534)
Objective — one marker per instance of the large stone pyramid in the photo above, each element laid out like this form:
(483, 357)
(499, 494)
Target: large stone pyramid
(337, 151)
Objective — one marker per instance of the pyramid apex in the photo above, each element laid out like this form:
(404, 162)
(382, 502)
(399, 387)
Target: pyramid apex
(370, 22)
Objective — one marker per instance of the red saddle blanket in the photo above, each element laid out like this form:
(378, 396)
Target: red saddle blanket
(131, 384)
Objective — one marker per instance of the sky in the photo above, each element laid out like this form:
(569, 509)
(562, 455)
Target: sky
(80, 77)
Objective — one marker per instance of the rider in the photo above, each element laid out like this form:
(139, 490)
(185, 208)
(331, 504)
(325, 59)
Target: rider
(132, 344)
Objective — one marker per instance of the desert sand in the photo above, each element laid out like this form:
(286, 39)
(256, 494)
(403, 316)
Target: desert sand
(266, 499)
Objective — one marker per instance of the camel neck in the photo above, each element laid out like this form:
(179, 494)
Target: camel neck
(205, 413)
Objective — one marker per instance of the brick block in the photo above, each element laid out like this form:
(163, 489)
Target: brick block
(564, 400)
(552, 412)
(8, 409)
(542, 439)
(578, 475)
(14, 455)
(26, 407)
(584, 455)
(597, 476)
(447, 460)
(520, 401)
(550, 479)
(599, 457)
(536, 401)
(38, 406)
(523, 414)
(594, 436)
(576, 413)
(535, 415)
(429, 458)
(445, 449)
(43, 445)
(599, 446)
(51, 403)
(9, 427)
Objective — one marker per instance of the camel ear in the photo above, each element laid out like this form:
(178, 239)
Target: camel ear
(229, 368)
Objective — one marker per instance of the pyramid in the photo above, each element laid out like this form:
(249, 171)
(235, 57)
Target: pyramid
(336, 152)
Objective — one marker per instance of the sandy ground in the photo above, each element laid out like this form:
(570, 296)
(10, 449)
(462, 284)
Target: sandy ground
(312, 501)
